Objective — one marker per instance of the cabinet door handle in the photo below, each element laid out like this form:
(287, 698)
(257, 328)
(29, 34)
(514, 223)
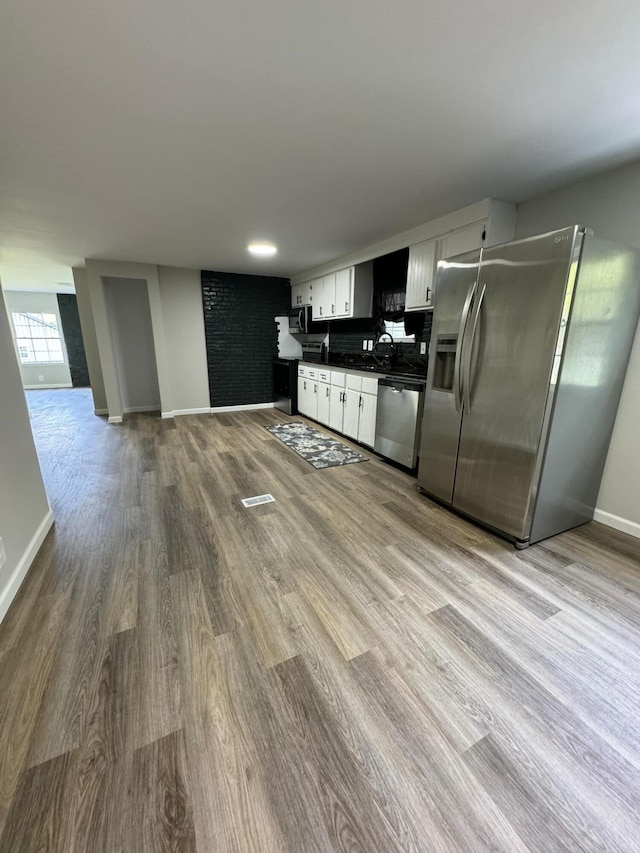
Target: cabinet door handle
(321, 310)
(428, 295)
(305, 386)
(328, 391)
(361, 403)
(315, 389)
(346, 307)
(333, 309)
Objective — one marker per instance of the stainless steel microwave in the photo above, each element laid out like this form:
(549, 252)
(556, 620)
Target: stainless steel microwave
(300, 320)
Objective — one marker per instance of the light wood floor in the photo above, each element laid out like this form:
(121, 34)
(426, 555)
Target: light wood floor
(351, 668)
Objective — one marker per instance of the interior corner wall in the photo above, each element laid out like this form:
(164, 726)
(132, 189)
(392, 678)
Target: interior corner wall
(53, 375)
(186, 353)
(25, 516)
(90, 340)
(608, 203)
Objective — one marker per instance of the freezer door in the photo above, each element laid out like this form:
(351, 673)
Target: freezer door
(456, 285)
(514, 340)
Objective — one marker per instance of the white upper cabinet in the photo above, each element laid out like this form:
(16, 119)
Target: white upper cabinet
(343, 294)
(302, 294)
(424, 257)
(421, 272)
(328, 299)
(485, 223)
(462, 240)
(499, 227)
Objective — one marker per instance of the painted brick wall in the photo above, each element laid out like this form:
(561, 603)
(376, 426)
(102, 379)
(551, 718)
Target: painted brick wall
(73, 339)
(241, 334)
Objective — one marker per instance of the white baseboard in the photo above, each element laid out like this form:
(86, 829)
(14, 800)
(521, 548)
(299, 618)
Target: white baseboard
(616, 521)
(41, 386)
(127, 410)
(101, 411)
(178, 412)
(115, 419)
(20, 572)
(218, 409)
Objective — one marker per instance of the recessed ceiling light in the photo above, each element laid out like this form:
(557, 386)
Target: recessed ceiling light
(262, 248)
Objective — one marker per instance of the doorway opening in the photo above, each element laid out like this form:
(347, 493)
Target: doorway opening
(130, 325)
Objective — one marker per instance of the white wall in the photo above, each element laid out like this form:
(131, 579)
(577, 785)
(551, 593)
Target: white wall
(129, 314)
(186, 353)
(610, 204)
(25, 516)
(90, 340)
(97, 271)
(54, 375)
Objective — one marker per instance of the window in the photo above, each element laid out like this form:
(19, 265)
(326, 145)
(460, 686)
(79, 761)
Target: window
(397, 331)
(37, 338)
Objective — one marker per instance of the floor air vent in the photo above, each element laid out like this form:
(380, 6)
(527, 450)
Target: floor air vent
(259, 499)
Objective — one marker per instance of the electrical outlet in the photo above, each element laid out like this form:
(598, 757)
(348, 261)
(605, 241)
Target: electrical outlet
(364, 345)
(370, 345)
(40, 378)
(423, 348)
(3, 556)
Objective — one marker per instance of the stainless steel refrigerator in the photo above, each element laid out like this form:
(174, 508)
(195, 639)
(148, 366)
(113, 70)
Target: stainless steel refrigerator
(529, 348)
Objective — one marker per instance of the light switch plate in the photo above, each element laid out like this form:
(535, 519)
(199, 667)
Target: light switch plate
(370, 345)
(423, 348)
(364, 345)
(3, 556)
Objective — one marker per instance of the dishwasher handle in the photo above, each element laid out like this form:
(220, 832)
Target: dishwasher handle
(400, 385)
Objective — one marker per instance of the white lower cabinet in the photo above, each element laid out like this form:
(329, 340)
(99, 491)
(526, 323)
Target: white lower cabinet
(302, 395)
(367, 420)
(342, 400)
(324, 399)
(308, 392)
(336, 407)
(351, 413)
(361, 399)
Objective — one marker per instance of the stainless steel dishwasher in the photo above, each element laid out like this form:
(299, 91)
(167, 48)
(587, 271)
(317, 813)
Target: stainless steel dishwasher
(398, 419)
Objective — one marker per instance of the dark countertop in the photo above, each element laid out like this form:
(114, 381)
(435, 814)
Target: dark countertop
(404, 367)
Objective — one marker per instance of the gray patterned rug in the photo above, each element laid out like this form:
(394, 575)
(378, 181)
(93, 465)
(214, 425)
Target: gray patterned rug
(316, 447)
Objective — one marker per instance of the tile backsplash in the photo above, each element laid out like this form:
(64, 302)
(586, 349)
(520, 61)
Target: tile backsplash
(347, 335)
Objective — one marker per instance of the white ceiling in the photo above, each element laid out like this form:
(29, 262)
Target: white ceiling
(175, 132)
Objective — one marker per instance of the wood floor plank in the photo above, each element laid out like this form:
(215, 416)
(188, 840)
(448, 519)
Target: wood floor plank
(599, 765)
(349, 668)
(159, 696)
(25, 674)
(162, 803)
(41, 818)
(537, 822)
(101, 805)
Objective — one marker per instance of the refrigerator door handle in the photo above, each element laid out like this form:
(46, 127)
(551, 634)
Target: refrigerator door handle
(457, 391)
(474, 329)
